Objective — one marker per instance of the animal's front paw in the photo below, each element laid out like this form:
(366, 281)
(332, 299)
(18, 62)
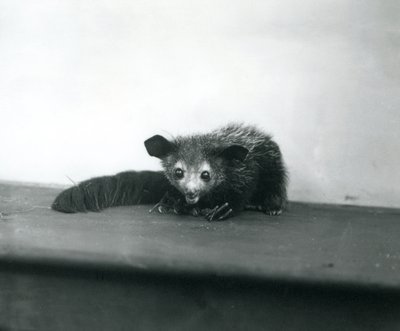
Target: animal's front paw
(219, 213)
(196, 211)
(161, 208)
(168, 205)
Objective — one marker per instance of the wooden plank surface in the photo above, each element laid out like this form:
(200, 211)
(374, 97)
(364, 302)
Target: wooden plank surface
(348, 246)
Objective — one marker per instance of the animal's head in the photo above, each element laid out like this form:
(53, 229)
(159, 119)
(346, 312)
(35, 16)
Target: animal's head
(193, 165)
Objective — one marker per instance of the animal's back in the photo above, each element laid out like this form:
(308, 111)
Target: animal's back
(239, 134)
(263, 172)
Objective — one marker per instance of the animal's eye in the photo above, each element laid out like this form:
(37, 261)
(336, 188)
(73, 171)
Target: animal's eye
(205, 175)
(178, 173)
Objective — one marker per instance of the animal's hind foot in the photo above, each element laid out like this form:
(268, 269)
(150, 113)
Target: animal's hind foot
(276, 212)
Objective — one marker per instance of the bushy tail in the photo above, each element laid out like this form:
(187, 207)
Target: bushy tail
(125, 188)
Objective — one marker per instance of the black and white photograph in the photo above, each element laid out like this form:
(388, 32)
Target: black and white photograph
(200, 165)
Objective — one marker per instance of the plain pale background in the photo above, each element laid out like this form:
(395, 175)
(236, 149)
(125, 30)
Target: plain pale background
(84, 83)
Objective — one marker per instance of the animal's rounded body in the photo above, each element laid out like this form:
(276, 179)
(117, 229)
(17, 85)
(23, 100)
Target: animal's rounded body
(244, 165)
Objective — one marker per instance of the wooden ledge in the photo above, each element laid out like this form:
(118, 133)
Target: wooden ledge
(312, 244)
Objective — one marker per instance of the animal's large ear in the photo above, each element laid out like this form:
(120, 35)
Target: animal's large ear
(235, 152)
(158, 146)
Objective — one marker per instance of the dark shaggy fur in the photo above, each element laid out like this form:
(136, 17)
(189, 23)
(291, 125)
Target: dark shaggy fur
(247, 172)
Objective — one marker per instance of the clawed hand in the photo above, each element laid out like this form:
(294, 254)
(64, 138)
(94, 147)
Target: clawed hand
(167, 205)
(171, 205)
(219, 213)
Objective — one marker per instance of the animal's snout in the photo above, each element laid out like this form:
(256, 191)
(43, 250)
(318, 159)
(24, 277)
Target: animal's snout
(192, 197)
